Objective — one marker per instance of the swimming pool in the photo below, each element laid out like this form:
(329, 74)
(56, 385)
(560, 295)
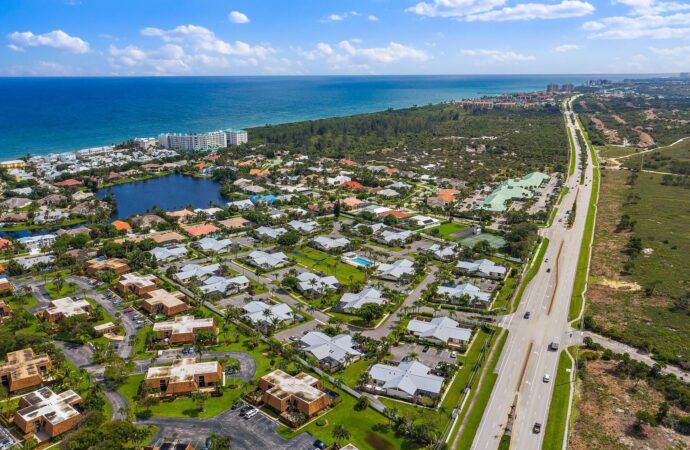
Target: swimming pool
(363, 262)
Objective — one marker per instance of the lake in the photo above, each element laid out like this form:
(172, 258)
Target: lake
(170, 193)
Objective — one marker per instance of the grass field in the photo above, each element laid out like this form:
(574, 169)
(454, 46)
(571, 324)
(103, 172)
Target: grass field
(558, 409)
(66, 291)
(573, 154)
(181, 406)
(612, 151)
(448, 229)
(482, 397)
(581, 274)
(643, 319)
(666, 159)
(531, 273)
(331, 265)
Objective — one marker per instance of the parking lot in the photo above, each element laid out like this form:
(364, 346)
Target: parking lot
(431, 358)
(297, 331)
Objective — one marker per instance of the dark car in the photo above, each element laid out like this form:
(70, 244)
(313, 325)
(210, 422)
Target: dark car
(319, 444)
(548, 270)
(425, 349)
(236, 405)
(536, 429)
(245, 410)
(527, 314)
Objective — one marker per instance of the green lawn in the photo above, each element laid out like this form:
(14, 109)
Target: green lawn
(181, 406)
(362, 425)
(531, 273)
(505, 294)
(352, 372)
(315, 260)
(447, 230)
(573, 154)
(66, 291)
(494, 240)
(558, 410)
(585, 248)
(26, 302)
(482, 397)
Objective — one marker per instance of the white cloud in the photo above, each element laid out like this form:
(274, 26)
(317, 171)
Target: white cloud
(532, 11)
(339, 17)
(56, 39)
(238, 17)
(683, 51)
(351, 56)
(15, 48)
(567, 48)
(372, 18)
(498, 55)
(496, 10)
(646, 19)
(204, 40)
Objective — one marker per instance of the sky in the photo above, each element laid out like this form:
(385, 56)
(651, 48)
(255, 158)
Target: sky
(322, 37)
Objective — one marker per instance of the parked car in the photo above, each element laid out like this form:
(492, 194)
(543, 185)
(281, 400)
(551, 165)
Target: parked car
(548, 270)
(251, 413)
(236, 405)
(453, 354)
(425, 349)
(536, 429)
(319, 444)
(527, 315)
(245, 410)
(292, 338)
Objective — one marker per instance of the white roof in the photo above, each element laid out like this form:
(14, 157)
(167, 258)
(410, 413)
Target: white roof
(356, 300)
(261, 259)
(189, 271)
(396, 269)
(441, 328)
(323, 346)
(408, 377)
(209, 243)
(223, 284)
(388, 236)
(310, 281)
(55, 408)
(482, 266)
(464, 289)
(271, 232)
(183, 324)
(330, 243)
(255, 312)
(305, 226)
(163, 253)
(442, 251)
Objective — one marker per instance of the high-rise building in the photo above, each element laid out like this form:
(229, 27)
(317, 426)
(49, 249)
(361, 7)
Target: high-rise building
(552, 88)
(236, 137)
(189, 142)
(568, 88)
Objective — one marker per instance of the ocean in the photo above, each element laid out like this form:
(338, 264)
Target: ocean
(46, 115)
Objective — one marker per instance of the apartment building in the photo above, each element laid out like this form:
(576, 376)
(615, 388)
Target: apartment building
(137, 283)
(160, 301)
(303, 393)
(184, 377)
(24, 369)
(117, 265)
(193, 142)
(43, 414)
(236, 137)
(183, 329)
(66, 307)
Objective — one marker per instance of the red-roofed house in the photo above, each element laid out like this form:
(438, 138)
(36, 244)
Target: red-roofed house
(200, 166)
(351, 185)
(182, 214)
(211, 157)
(353, 202)
(391, 170)
(121, 225)
(201, 230)
(398, 214)
(348, 162)
(69, 183)
(5, 244)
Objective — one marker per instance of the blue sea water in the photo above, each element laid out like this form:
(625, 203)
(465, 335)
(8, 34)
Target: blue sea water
(44, 115)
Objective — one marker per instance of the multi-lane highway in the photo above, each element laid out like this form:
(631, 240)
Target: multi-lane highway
(526, 357)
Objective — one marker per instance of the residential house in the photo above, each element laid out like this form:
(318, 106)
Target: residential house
(484, 268)
(331, 352)
(442, 252)
(162, 254)
(423, 221)
(302, 226)
(408, 380)
(396, 271)
(313, 285)
(270, 233)
(37, 243)
(191, 271)
(242, 205)
(439, 330)
(225, 285)
(469, 291)
(147, 220)
(393, 238)
(329, 244)
(352, 301)
(266, 315)
(167, 237)
(201, 230)
(5, 284)
(235, 223)
(267, 261)
(182, 215)
(213, 245)
(5, 311)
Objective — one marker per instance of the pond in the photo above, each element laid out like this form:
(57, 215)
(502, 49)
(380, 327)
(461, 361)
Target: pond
(170, 193)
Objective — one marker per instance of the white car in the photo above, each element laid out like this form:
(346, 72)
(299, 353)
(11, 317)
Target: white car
(547, 378)
(251, 413)
(453, 354)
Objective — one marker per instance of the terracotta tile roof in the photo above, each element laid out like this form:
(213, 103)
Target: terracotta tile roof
(201, 230)
(121, 225)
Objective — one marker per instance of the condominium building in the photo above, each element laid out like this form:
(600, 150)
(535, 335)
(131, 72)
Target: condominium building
(43, 414)
(5, 311)
(303, 393)
(66, 307)
(184, 377)
(137, 283)
(184, 329)
(24, 369)
(236, 137)
(193, 142)
(161, 301)
(117, 265)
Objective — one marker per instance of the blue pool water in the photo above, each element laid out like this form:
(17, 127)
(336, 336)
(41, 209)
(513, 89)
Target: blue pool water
(363, 262)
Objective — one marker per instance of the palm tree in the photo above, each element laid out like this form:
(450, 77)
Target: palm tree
(340, 433)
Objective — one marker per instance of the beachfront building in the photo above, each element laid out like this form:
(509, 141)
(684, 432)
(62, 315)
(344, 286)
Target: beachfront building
(24, 369)
(236, 137)
(302, 393)
(183, 329)
(184, 377)
(513, 189)
(43, 414)
(193, 142)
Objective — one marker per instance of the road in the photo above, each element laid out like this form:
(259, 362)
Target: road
(526, 358)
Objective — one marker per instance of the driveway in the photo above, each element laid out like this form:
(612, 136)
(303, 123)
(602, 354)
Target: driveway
(297, 331)
(250, 434)
(431, 358)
